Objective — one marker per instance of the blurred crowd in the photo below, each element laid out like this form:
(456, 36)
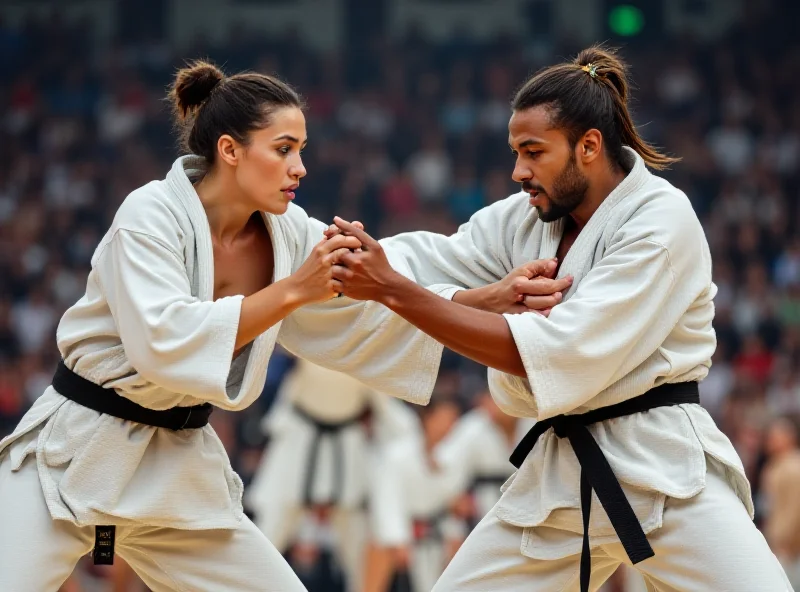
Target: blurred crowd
(411, 135)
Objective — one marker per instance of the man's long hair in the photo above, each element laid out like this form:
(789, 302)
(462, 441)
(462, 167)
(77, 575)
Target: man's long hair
(591, 92)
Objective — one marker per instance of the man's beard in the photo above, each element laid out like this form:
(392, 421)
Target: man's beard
(569, 191)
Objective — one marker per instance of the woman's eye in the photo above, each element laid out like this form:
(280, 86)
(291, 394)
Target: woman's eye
(284, 150)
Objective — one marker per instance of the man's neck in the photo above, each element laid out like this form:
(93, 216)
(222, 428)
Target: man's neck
(601, 187)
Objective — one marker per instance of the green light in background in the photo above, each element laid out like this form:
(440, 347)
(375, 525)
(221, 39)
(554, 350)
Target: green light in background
(626, 20)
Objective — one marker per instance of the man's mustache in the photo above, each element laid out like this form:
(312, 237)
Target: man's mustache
(528, 186)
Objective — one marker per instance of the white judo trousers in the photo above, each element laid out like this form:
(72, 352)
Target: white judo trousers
(149, 328)
(349, 528)
(321, 454)
(166, 559)
(735, 558)
(639, 314)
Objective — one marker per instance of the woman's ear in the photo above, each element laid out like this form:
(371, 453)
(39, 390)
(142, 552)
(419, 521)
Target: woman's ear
(228, 149)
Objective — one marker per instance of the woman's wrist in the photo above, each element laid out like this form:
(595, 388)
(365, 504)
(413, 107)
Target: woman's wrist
(294, 295)
(482, 298)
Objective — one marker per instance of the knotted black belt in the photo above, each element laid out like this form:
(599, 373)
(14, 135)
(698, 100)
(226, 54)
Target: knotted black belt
(332, 430)
(104, 400)
(596, 473)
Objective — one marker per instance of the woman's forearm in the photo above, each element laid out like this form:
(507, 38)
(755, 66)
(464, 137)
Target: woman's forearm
(266, 308)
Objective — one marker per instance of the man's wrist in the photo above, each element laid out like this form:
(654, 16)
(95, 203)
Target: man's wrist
(396, 291)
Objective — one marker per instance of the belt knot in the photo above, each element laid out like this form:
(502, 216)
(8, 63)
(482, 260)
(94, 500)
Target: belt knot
(560, 425)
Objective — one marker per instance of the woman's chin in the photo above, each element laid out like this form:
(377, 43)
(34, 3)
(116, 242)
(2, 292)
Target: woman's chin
(276, 207)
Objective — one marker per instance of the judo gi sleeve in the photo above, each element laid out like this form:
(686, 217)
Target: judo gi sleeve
(170, 337)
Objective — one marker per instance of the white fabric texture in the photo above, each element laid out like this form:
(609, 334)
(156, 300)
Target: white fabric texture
(477, 448)
(638, 315)
(147, 326)
(407, 487)
(38, 553)
(705, 544)
(331, 398)
(292, 523)
(276, 494)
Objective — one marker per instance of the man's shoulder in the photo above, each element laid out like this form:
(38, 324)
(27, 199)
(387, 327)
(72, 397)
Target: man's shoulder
(663, 214)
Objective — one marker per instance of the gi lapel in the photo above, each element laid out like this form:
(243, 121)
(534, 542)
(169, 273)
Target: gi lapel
(581, 256)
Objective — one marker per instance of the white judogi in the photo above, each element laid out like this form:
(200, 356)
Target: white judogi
(320, 453)
(475, 454)
(147, 326)
(638, 315)
(409, 502)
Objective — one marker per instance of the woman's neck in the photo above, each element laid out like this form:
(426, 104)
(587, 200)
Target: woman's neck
(227, 212)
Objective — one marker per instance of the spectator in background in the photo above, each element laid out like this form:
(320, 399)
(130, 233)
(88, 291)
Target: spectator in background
(12, 400)
(459, 115)
(716, 387)
(753, 304)
(731, 145)
(466, 196)
(755, 361)
(493, 112)
(783, 396)
(9, 344)
(33, 320)
(781, 488)
(787, 266)
(430, 169)
(76, 135)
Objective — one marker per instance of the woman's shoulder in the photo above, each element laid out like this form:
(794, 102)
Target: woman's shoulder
(149, 211)
(152, 210)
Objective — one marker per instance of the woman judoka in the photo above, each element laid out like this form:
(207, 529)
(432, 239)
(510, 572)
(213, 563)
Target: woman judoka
(185, 301)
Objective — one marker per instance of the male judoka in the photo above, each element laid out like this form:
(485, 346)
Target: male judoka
(624, 465)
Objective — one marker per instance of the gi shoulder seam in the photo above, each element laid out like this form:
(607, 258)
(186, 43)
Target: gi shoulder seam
(670, 266)
(161, 242)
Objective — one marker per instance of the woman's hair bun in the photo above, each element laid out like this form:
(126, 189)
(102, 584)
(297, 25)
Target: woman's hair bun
(193, 85)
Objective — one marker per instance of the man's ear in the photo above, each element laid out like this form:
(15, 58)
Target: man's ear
(590, 146)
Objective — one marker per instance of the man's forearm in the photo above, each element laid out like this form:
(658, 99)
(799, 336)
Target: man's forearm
(481, 336)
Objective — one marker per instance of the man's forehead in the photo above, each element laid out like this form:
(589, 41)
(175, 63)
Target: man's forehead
(531, 126)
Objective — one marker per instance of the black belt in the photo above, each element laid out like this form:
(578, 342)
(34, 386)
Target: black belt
(596, 473)
(324, 428)
(489, 480)
(106, 400)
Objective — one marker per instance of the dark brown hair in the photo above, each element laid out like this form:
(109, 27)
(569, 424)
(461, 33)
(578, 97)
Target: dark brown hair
(591, 92)
(208, 104)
